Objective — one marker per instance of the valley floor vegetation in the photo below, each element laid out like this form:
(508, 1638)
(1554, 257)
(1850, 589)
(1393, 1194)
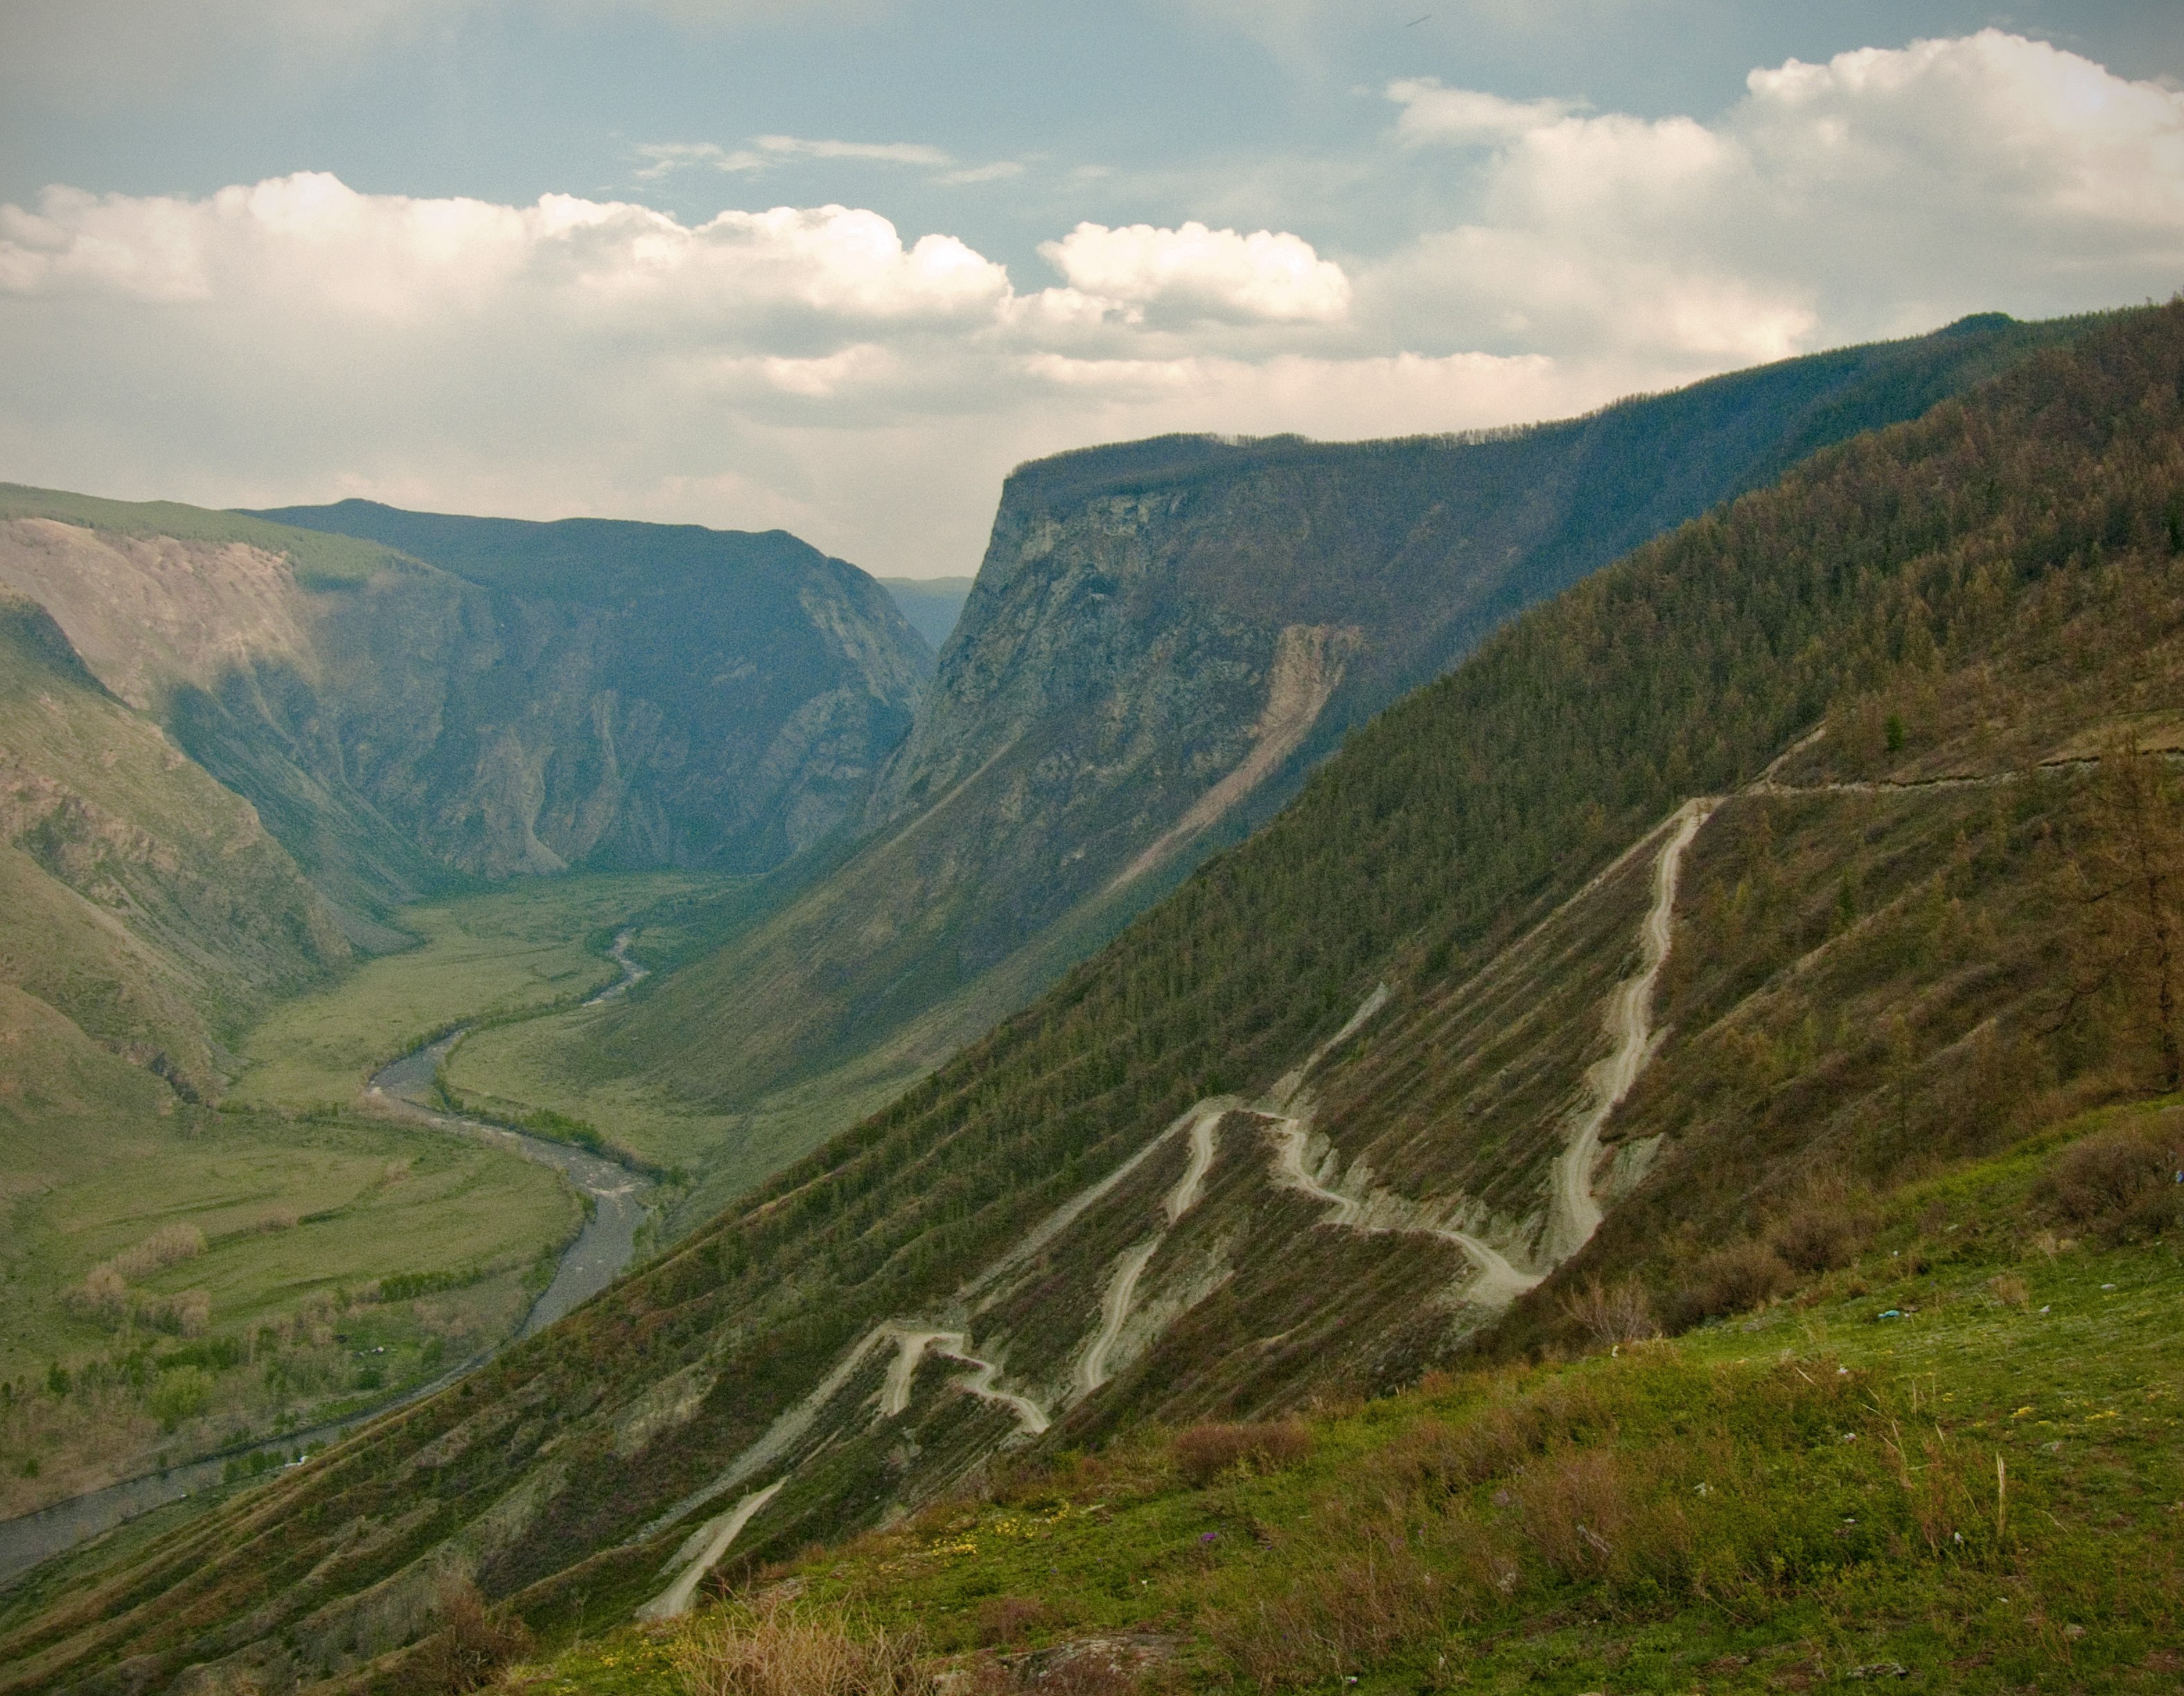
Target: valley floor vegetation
(219, 1276)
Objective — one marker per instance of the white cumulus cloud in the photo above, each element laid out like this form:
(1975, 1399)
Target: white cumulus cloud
(1884, 190)
(1216, 273)
(1465, 116)
(820, 368)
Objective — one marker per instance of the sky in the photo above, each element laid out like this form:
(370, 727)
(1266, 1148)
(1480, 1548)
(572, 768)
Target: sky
(835, 266)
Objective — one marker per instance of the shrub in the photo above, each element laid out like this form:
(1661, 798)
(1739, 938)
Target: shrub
(1815, 1240)
(471, 1647)
(103, 1296)
(1732, 1279)
(780, 1649)
(1612, 1314)
(2120, 1185)
(1205, 1452)
(183, 1393)
(187, 1315)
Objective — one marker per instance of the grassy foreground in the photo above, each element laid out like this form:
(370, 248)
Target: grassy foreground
(1953, 1464)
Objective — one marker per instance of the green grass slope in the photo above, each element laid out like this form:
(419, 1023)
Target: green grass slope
(1950, 1465)
(1979, 610)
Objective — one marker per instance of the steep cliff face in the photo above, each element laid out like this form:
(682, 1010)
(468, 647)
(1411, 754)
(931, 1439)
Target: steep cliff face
(1163, 637)
(507, 699)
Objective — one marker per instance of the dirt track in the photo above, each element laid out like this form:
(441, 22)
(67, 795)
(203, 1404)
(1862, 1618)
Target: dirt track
(1575, 1214)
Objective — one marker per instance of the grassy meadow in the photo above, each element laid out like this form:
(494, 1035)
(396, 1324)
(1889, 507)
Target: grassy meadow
(1952, 1464)
(510, 1072)
(180, 1285)
(523, 948)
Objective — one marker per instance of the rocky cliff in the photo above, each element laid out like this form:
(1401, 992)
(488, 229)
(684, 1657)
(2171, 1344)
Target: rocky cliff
(484, 697)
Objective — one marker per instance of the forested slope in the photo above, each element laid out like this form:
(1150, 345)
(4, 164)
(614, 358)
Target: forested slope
(1979, 610)
(1163, 638)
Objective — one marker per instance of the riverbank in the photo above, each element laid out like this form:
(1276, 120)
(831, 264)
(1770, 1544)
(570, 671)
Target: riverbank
(617, 1204)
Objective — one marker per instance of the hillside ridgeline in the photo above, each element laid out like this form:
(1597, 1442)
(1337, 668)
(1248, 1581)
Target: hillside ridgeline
(1723, 895)
(1163, 638)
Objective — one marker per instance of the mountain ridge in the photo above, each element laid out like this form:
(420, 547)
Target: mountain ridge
(654, 695)
(1163, 638)
(1990, 593)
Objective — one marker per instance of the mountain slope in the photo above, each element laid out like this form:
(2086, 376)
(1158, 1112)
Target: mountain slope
(146, 904)
(605, 695)
(1163, 637)
(1219, 1166)
(932, 604)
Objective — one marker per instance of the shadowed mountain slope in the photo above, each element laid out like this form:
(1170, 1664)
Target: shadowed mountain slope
(1594, 922)
(535, 697)
(932, 604)
(1162, 639)
(147, 907)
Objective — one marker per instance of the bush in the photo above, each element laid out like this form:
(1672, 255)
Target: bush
(1819, 1237)
(103, 1296)
(187, 1315)
(1612, 1314)
(1205, 1452)
(471, 1647)
(781, 1650)
(2120, 1186)
(183, 1393)
(1733, 1279)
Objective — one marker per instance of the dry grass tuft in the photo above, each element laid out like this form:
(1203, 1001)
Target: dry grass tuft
(782, 1649)
(1205, 1452)
(1612, 1314)
(1356, 1608)
(1575, 1509)
(1007, 1619)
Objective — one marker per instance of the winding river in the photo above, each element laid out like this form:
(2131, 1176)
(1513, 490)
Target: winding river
(616, 1197)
